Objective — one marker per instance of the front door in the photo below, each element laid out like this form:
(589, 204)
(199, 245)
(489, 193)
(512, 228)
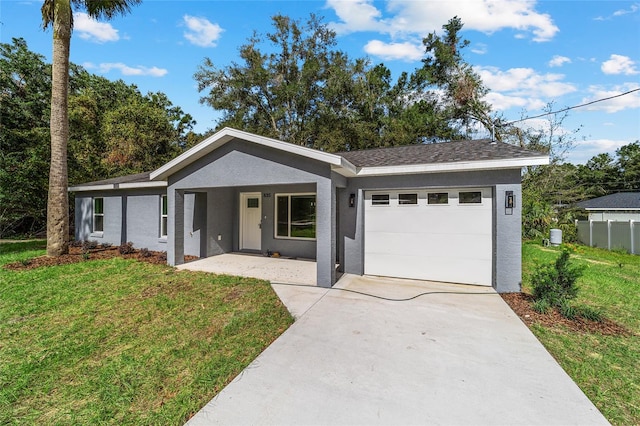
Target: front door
(250, 220)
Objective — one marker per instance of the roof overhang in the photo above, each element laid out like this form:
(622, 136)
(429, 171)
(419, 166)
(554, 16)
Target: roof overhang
(461, 166)
(337, 163)
(108, 187)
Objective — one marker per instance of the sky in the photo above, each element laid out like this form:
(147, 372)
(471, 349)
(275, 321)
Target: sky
(529, 53)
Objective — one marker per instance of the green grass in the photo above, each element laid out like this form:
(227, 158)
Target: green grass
(123, 342)
(607, 368)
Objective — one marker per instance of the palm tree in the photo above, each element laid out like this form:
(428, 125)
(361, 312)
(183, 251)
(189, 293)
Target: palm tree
(58, 14)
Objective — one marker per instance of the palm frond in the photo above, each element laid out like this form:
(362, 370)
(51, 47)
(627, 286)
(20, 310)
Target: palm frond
(105, 9)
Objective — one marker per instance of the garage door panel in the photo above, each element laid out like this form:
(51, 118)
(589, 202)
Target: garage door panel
(429, 245)
(434, 242)
(438, 269)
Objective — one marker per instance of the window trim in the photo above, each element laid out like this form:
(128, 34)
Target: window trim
(163, 216)
(275, 216)
(94, 215)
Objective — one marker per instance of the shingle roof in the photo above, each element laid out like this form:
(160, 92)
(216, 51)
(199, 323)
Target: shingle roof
(444, 152)
(620, 200)
(136, 178)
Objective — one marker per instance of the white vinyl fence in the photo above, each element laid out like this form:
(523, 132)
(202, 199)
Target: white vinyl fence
(610, 234)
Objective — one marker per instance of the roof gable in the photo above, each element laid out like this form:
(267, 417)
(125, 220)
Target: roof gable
(227, 134)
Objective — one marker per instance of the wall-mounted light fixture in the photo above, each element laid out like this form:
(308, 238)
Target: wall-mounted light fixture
(509, 202)
(352, 200)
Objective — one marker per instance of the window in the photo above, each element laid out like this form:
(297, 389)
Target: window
(98, 214)
(438, 198)
(408, 199)
(471, 197)
(296, 216)
(163, 216)
(253, 203)
(380, 200)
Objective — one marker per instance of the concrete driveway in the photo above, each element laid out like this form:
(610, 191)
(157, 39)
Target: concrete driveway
(449, 358)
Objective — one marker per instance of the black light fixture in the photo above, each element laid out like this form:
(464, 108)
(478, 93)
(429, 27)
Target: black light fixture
(352, 200)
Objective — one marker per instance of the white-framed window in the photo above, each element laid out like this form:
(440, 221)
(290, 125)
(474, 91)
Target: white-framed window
(98, 214)
(296, 216)
(438, 198)
(164, 210)
(470, 197)
(409, 199)
(379, 199)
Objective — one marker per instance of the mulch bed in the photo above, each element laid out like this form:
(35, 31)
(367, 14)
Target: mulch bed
(76, 255)
(520, 303)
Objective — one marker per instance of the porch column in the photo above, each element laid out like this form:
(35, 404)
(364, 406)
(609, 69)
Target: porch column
(175, 225)
(326, 233)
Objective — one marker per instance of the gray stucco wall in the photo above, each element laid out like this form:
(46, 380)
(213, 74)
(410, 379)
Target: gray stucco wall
(507, 269)
(134, 215)
(247, 167)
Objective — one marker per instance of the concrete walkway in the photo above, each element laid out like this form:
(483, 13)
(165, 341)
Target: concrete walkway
(443, 358)
(257, 266)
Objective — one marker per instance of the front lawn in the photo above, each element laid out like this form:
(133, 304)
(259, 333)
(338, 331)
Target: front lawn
(607, 368)
(123, 342)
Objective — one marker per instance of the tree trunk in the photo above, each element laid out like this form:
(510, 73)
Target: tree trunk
(58, 201)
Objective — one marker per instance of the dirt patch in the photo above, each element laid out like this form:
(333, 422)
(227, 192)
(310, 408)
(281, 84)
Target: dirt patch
(520, 303)
(77, 255)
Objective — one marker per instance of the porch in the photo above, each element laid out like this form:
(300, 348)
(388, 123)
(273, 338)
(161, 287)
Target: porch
(275, 270)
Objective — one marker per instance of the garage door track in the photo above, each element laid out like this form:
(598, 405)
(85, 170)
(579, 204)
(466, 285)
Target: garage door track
(457, 355)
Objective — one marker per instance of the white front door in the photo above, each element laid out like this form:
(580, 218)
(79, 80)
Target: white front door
(250, 220)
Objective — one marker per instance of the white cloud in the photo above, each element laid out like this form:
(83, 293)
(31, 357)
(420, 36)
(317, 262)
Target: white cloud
(584, 150)
(630, 101)
(419, 18)
(633, 9)
(501, 102)
(393, 51)
(126, 70)
(558, 61)
(525, 82)
(201, 31)
(619, 64)
(90, 29)
(479, 49)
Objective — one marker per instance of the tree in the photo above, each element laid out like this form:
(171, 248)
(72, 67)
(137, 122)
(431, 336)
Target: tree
(25, 86)
(629, 165)
(58, 15)
(462, 89)
(307, 92)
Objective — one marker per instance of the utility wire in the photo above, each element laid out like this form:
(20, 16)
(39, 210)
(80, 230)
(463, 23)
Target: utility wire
(571, 107)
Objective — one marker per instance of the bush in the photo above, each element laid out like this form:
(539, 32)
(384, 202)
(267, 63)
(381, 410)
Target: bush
(126, 248)
(589, 313)
(89, 245)
(144, 252)
(555, 285)
(542, 306)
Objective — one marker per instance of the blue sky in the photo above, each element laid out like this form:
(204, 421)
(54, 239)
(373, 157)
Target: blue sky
(528, 53)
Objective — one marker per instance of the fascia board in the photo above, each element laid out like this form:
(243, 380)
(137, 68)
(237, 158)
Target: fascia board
(137, 185)
(608, 209)
(463, 166)
(84, 188)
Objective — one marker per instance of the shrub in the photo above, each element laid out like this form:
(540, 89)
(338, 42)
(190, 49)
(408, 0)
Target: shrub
(144, 252)
(555, 285)
(541, 306)
(76, 243)
(106, 245)
(126, 248)
(589, 313)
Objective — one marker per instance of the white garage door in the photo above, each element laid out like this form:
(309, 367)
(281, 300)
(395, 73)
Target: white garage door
(439, 235)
